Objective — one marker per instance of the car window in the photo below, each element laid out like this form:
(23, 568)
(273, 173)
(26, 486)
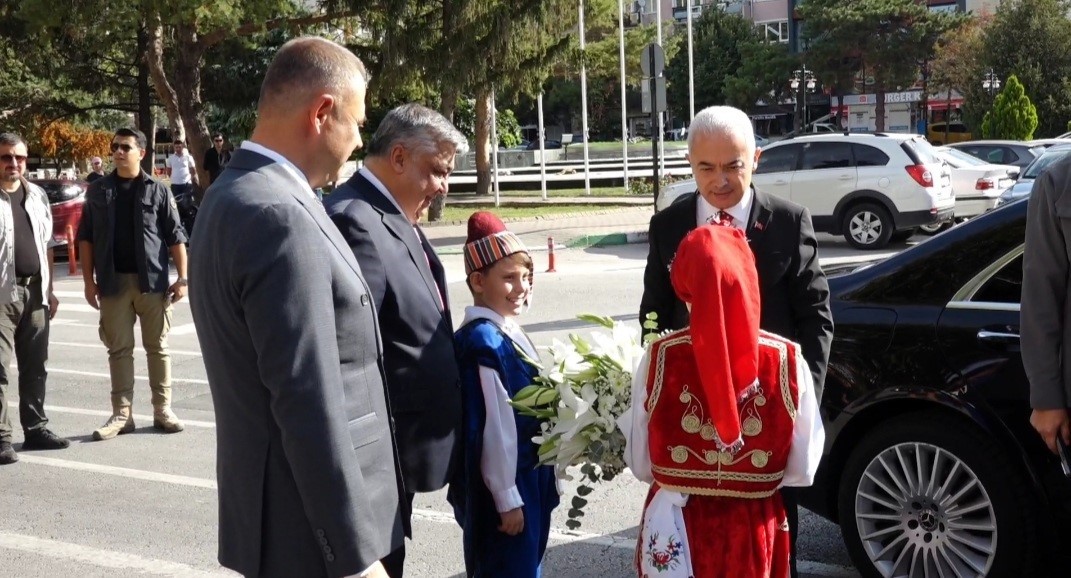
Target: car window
(778, 159)
(963, 158)
(1034, 169)
(868, 156)
(1005, 286)
(957, 127)
(920, 151)
(826, 155)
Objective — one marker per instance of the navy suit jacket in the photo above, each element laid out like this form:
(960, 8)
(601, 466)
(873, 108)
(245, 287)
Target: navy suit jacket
(794, 291)
(405, 278)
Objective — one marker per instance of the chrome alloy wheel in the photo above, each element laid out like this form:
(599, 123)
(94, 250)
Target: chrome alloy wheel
(922, 512)
(865, 227)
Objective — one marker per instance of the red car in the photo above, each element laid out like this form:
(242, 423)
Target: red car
(66, 198)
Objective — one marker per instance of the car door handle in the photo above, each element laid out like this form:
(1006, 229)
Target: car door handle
(999, 339)
(780, 182)
(845, 177)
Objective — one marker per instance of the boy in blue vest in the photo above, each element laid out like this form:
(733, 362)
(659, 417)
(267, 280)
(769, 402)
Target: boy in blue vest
(505, 500)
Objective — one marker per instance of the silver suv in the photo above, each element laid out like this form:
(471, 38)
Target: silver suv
(871, 188)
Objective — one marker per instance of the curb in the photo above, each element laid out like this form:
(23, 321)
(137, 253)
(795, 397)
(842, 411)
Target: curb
(553, 217)
(607, 240)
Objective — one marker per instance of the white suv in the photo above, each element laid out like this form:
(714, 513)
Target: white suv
(872, 188)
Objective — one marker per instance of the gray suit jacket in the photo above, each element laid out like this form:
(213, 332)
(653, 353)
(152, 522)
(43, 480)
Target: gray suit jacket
(306, 465)
(1045, 314)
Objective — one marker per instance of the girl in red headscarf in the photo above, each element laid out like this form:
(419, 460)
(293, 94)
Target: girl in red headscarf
(722, 415)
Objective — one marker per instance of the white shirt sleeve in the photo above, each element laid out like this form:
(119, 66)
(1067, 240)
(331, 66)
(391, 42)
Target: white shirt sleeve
(498, 458)
(808, 435)
(633, 424)
(190, 162)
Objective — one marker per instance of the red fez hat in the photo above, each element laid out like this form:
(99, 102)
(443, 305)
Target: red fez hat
(489, 242)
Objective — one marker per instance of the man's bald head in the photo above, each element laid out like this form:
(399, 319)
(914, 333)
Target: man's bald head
(307, 67)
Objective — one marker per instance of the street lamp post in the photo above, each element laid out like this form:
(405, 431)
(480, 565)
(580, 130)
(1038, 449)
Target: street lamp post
(802, 82)
(991, 82)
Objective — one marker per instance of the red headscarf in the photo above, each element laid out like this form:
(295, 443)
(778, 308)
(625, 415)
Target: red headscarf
(714, 271)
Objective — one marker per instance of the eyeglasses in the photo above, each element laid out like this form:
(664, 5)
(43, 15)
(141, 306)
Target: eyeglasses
(13, 159)
(122, 145)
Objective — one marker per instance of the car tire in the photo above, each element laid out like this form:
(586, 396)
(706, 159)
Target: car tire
(867, 226)
(935, 228)
(921, 490)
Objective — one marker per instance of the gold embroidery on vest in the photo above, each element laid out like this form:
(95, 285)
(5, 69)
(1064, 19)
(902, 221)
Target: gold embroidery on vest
(783, 377)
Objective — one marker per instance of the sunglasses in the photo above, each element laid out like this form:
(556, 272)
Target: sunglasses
(13, 159)
(126, 148)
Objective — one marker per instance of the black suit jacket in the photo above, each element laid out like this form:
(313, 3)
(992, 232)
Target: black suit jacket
(795, 294)
(404, 277)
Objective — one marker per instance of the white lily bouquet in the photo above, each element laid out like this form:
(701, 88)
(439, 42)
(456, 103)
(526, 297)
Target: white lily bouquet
(578, 399)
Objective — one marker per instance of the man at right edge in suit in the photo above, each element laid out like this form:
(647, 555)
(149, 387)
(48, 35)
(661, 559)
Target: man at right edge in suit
(1045, 313)
(793, 288)
(306, 465)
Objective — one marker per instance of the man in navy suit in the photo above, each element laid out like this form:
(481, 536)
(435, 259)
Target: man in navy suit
(793, 288)
(410, 158)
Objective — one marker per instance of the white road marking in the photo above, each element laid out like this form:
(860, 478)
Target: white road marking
(101, 413)
(566, 536)
(117, 471)
(184, 329)
(137, 377)
(99, 345)
(104, 558)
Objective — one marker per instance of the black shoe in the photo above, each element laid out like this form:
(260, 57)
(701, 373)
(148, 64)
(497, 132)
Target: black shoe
(44, 439)
(7, 454)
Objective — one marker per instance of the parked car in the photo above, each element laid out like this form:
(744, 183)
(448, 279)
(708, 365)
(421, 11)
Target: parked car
(66, 198)
(1001, 152)
(931, 467)
(976, 184)
(761, 141)
(1025, 183)
(872, 188)
(957, 132)
(547, 144)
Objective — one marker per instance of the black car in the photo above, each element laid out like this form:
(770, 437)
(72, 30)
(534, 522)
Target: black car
(931, 465)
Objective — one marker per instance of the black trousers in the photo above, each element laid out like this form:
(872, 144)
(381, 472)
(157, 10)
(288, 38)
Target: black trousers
(394, 563)
(790, 496)
(24, 332)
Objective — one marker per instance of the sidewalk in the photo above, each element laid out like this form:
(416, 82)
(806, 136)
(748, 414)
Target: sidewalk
(533, 198)
(601, 226)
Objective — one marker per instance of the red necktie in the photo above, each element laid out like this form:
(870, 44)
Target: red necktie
(722, 218)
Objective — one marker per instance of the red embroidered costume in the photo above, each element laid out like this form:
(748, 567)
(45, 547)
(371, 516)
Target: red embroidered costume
(723, 415)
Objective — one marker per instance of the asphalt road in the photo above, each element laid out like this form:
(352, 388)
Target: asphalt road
(145, 503)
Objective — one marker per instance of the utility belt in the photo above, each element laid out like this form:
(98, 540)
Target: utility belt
(27, 281)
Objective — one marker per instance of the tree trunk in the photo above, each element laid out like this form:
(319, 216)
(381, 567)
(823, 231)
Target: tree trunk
(154, 58)
(446, 108)
(189, 60)
(483, 142)
(146, 122)
(879, 109)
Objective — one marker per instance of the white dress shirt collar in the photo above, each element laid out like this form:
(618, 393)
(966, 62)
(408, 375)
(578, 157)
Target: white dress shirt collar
(263, 150)
(372, 178)
(740, 212)
(508, 326)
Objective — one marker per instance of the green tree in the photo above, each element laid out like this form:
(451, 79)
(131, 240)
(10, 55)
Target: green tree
(958, 66)
(506, 125)
(884, 39)
(719, 45)
(1013, 116)
(1030, 39)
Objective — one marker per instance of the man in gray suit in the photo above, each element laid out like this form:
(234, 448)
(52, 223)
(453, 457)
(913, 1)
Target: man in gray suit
(1045, 314)
(306, 465)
